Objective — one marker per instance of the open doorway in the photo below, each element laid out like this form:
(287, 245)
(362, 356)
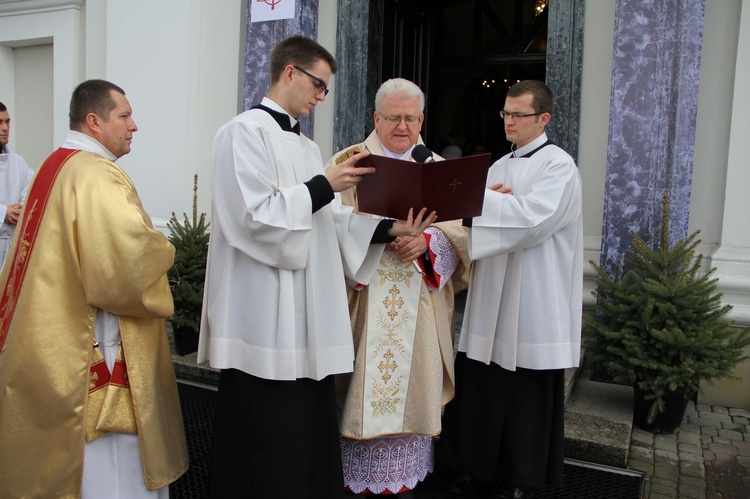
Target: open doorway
(464, 54)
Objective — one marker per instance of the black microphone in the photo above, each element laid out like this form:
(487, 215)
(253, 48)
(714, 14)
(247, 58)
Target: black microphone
(421, 154)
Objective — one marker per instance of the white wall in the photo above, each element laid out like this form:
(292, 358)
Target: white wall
(31, 126)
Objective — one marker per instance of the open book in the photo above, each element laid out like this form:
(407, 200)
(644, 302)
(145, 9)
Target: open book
(454, 188)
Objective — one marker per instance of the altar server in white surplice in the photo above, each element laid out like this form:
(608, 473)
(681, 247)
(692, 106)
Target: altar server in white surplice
(275, 317)
(15, 177)
(403, 328)
(522, 322)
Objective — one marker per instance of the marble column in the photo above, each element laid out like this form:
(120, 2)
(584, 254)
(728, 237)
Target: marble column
(653, 107)
(260, 39)
(359, 54)
(565, 71)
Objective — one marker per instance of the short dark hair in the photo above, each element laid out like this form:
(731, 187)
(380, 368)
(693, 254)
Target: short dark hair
(2, 107)
(299, 51)
(542, 100)
(92, 96)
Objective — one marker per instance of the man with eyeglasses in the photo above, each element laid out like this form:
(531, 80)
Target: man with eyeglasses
(404, 354)
(522, 321)
(275, 317)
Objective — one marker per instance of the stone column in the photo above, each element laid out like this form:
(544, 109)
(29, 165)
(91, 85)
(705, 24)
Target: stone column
(260, 39)
(653, 106)
(565, 71)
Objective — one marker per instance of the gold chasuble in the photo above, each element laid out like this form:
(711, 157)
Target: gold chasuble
(84, 243)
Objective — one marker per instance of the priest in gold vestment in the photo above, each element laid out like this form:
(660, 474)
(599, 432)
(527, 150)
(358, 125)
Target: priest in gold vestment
(403, 328)
(88, 398)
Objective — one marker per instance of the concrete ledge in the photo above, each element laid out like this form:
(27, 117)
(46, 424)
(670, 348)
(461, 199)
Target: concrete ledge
(186, 367)
(599, 422)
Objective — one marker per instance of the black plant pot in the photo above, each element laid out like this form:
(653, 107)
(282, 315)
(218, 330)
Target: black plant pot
(185, 340)
(665, 423)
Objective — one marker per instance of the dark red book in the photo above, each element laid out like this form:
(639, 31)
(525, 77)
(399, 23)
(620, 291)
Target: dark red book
(454, 188)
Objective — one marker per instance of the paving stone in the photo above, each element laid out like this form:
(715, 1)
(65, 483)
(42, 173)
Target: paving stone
(661, 455)
(659, 490)
(693, 482)
(740, 420)
(730, 434)
(722, 440)
(722, 449)
(644, 466)
(689, 449)
(704, 422)
(656, 495)
(690, 437)
(691, 458)
(642, 454)
(719, 409)
(702, 408)
(665, 442)
(739, 412)
(734, 426)
(642, 438)
(709, 431)
(714, 416)
(691, 492)
(708, 455)
(693, 469)
(669, 471)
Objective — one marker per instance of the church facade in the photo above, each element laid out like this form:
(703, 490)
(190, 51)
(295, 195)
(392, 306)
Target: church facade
(649, 100)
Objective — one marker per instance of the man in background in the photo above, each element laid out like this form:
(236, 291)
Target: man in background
(398, 438)
(88, 396)
(522, 321)
(15, 177)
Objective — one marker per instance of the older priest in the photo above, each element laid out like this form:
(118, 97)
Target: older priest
(403, 328)
(89, 404)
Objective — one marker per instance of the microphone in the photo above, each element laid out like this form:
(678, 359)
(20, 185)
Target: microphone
(421, 154)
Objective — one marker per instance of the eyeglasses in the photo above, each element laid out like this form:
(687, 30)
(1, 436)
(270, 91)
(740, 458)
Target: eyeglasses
(320, 85)
(395, 120)
(516, 116)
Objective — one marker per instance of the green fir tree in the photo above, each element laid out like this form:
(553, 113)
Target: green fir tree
(190, 239)
(661, 325)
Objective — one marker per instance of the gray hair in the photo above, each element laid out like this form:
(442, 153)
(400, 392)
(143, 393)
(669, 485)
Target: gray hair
(401, 88)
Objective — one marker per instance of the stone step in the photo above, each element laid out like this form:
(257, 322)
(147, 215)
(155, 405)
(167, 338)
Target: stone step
(598, 421)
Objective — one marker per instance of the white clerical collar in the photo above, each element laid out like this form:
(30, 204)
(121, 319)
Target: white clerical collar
(272, 105)
(82, 142)
(518, 153)
(390, 154)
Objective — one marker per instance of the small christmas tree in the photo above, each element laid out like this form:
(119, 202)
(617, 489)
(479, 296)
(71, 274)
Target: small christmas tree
(661, 324)
(190, 240)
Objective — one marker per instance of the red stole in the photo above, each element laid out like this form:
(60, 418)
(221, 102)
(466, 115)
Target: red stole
(36, 202)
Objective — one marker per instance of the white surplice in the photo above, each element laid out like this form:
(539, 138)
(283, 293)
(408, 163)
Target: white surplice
(524, 303)
(275, 302)
(15, 177)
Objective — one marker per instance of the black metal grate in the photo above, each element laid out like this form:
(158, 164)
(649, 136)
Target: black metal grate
(580, 480)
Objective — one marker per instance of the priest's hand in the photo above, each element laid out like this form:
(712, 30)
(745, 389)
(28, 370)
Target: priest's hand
(501, 189)
(345, 175)
(13, 213)
(412, 226)
(409, 248)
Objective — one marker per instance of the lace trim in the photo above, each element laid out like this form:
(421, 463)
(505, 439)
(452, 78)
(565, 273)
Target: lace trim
(446, 258)
(386, 463)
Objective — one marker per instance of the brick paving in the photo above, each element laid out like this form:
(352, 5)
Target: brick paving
(708, 457)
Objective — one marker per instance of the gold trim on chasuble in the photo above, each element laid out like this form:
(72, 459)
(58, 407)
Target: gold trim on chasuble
(28, 229)
(393, 301)
(110, 406)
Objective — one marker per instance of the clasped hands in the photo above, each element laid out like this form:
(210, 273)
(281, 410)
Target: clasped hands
(345, 176)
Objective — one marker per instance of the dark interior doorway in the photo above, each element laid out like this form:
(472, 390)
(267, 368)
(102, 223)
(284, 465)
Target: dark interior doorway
(464, 54)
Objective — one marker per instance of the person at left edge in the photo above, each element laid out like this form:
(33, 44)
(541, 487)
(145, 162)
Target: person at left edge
(15, 177)
(275, 317)
(89, 405)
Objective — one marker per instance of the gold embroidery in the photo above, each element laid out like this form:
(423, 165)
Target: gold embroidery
(386, 398)
(393, 302)
(388, 366)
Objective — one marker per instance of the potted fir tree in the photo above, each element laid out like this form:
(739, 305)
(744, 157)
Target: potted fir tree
(190, 239)
(661, 326)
